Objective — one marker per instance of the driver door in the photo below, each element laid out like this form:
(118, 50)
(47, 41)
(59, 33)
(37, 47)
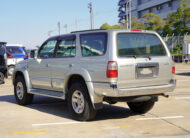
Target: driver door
(39, 69)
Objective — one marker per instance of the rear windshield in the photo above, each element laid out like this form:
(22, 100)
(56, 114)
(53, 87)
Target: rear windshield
(14, 50)
(139, 44)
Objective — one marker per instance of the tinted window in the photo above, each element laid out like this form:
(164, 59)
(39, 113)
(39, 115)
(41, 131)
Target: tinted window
(14, 50)
(47, 49)
(138, 44)
(66, 48)
(93, 44)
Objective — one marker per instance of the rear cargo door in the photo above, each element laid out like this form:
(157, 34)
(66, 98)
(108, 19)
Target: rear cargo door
(142, 61)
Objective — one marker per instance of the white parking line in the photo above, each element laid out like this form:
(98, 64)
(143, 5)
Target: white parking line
(182, 98)
(157, 118)
(58, 123)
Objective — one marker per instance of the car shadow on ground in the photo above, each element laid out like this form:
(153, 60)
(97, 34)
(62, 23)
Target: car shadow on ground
(59, 108)
(183, 74)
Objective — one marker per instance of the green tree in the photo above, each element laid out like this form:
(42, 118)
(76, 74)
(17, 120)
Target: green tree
(179, 19)
(137, 24)
(167, 30)
(105, 26)
(153, 22)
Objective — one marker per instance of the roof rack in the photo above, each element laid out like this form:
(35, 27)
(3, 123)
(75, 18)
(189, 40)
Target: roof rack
(88, 30)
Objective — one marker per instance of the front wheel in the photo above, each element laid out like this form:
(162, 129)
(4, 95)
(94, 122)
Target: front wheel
(79, 103)
(20, 92)
(141, 107)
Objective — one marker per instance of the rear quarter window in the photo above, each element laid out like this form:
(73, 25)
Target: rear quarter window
(93, 44)
(139, 44)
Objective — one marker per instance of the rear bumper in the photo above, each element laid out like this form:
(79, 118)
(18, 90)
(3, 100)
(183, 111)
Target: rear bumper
(111, 90)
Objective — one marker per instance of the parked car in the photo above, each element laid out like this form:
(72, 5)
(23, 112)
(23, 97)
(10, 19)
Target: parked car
(3, 60)
(15, 54)
(86, 68)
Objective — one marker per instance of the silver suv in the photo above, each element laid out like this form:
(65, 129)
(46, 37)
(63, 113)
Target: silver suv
(86, 68)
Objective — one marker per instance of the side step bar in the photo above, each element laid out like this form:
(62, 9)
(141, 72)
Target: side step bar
(54, 94)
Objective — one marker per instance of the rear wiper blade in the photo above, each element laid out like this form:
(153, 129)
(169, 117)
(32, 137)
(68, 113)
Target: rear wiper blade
(134, 56)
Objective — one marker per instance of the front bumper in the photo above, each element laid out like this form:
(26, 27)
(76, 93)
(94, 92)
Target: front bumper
(111, 90)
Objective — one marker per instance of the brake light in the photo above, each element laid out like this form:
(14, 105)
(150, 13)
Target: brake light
(9, 56)
(136, 30)
(173, 70)
(112, 69)
(26, 56)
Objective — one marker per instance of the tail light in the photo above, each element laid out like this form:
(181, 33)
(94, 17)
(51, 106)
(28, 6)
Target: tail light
(173, 70)
(26, 56)
(9, 56)
(112, 69)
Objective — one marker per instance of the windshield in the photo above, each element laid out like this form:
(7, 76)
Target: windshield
(139, 44)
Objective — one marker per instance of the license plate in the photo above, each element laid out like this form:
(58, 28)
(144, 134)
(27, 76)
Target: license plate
(144, 71)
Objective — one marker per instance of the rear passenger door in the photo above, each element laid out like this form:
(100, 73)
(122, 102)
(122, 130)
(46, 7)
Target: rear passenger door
(39, 68)
(64, 59)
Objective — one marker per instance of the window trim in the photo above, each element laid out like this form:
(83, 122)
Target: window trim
(117, 46)
(38, 55)
(96, 33)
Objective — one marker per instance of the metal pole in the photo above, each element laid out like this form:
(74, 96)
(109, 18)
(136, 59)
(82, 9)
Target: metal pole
(129, 14)
(126, 12)
(59, 27)
(91, 15)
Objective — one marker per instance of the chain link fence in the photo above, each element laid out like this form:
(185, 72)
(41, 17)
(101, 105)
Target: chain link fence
(174, 41)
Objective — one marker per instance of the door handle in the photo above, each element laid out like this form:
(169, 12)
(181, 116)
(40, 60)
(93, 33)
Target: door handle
(47, 65)
(71, 65)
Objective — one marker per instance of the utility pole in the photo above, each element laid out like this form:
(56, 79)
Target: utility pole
(91, 15)
(76, 25)
(59, 27)
(65, 26)
(130, 22)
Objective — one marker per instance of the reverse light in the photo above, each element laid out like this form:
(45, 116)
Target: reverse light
(112, 69)
(173, 69)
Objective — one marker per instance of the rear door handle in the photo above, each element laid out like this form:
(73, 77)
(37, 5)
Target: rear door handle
(71, 65)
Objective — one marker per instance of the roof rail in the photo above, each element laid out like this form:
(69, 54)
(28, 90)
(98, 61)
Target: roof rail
(88, 30)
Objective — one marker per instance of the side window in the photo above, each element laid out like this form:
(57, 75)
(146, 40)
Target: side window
(93, 44)
(47, 49)
(66, 48)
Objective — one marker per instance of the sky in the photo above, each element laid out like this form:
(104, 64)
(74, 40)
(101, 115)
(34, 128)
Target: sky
(28, 22)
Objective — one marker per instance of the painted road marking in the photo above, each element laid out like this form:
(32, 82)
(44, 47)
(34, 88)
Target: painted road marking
(182, 98)
(25, 132)
(116, 127)
(157, 118)
(58, 123)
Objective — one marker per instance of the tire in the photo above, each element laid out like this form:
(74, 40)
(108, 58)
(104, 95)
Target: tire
(10, 70)
(141, 107)
(20, 92)
(78, 95)
(2, 77)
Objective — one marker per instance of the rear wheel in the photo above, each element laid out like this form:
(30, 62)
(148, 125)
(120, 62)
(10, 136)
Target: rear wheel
(20, 92)
(10, 70)
(141, 107)
(79, 103)
(1, 78)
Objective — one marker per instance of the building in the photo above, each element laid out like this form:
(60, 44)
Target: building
(159, 7)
